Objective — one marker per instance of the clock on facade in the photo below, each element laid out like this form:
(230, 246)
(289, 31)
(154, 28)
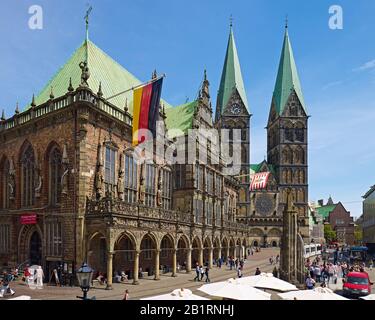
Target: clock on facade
(235, 109)
(264, 204)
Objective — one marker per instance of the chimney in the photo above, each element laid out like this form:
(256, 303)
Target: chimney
(320, 202)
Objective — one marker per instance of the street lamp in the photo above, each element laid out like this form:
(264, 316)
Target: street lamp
(84, 275)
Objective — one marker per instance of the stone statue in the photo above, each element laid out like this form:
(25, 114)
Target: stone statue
(159, 198)
(12, 181)
(120, 184)
(85, 75)
(38, 182)
(142, 187)
(99, 182)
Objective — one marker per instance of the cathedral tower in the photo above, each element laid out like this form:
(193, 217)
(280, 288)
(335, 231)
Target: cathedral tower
(232, 112)
(287, 135)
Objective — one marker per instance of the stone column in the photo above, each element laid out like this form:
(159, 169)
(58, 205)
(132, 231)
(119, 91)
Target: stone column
(188, 261)
(109, 271)
(219, 253)
(136, 267)
(157, 264)
(174, 263)
(210, 257)
(228, 252)
(200, 258)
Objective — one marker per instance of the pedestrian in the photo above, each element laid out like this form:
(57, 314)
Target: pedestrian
(197, 272)
(239, 272)
(277, 259)
(5, 285)
(310, 282)
(126, 295)
(371, 263)
(201, 269)
(206, 273)
(257, 272)
(39, 277)
(27, 275)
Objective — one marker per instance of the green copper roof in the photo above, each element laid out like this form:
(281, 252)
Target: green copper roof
(231, 77)
(255, 168)
(180, 117)
(113, 77)
(326, 210)
(287, 78)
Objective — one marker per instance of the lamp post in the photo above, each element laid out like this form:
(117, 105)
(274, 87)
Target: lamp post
(84, 275)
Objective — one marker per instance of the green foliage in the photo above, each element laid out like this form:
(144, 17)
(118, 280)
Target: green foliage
(329, 233)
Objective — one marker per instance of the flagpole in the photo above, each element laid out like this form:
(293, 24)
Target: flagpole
(137, 86)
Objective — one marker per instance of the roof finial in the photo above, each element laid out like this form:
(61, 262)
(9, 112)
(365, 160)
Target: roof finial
(33, 104)
(286, 22)
(154, 75)
(17, 111)
(70, 88)
(3, 116)
(231, 21)
(100, 92)
(87, 22)
(52, 96)
(205, 75)
(126, 105)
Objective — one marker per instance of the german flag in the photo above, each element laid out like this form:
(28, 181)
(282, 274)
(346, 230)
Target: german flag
(146, 109)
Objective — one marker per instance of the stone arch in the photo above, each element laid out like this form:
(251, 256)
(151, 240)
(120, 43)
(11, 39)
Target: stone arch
(287, 155)
(124, 254)
(53, 172)
(274, 232)
(301, 176)
(274, 243)
(207, 246)
(216, 248)
(183, 249)
(5, 190)
(239, 249)
(148, 247)
(97, 247)
(257, 232)
(224, 248)
(167, 247)
(232, 247)
(196, 249)
(255, 243)
(299, 155)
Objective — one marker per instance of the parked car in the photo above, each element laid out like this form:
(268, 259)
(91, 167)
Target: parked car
(357, 284)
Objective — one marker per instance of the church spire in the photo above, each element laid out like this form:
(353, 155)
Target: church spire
(231, 77)
(287, 77)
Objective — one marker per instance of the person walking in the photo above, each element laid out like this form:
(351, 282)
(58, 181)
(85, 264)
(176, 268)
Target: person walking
(275, 272)
(257, 272)
(126, 295)
(5, 285)
(239, 272)
(202, 271)
(27, 275)
(197, 272)
(39, 277)
(277, 259)
(207, 273)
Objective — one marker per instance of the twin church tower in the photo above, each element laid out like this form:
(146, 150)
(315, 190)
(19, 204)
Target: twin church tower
(286, 144)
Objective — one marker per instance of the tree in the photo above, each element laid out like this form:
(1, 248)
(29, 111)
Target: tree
(329, 233)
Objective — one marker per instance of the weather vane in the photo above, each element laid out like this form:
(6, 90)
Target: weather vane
(231, 20)
(286, 21)
(86, 17)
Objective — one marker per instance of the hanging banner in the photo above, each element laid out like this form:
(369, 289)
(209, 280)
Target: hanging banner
(259, 180)
(28, 219)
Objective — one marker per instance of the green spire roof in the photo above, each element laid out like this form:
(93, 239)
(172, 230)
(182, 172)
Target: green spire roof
(287, 78)
(113, 77)
(231, 77)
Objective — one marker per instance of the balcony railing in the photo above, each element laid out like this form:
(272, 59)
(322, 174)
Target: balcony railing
(109, 206)
(81, 94)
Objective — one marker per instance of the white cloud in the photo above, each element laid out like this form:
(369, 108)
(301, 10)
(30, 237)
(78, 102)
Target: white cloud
(368, 65)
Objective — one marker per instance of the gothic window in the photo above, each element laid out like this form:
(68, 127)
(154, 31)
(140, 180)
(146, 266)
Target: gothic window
(210, 182)
(4, 238)
(299, 156)
(109, 167)
(300, 135)
(301, 195)
(218, 214)
(293, 109)
(226, 203)
(28, 177)
(289, 134)
(5, 185)
(289, 176)
(209, 212)
(180, 172)
(198, 210)
(218, 182)
(166, 193)
(55, 173)
(150, 185)
(130, 179)
(53, 239)
(287, 156)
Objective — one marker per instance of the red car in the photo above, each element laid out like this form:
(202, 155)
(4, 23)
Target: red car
(357, 284)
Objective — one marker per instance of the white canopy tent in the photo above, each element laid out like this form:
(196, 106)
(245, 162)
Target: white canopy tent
(369, 297)
(233, 289)
(315, 294)
(178, 294)
(268, 281)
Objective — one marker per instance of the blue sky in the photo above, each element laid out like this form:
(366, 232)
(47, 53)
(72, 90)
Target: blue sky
(181, 38)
